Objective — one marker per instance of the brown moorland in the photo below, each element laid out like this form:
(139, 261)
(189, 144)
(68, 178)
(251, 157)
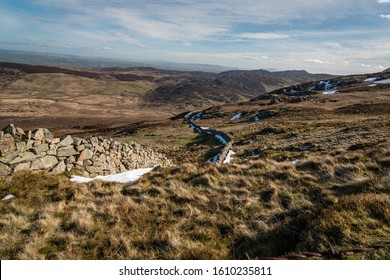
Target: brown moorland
(310, 173)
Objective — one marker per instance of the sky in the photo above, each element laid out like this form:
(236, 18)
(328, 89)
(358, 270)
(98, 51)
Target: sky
(320, 36)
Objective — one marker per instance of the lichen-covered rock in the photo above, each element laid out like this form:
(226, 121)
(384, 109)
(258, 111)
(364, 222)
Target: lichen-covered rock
(46, 162)
(67, 141)
(94, 169)
(21, 146)
(9, 157)
(85, 154)
(60, 168)
(5, 169)
(48, 135)
(38, 134)
(24, 157)
(41, 149)
(22, 166)
(80, 148)
(7, 144)
(66, 152)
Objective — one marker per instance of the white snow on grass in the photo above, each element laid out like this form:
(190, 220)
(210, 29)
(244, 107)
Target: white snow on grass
(229, 158)
(8, 196)
(126, 177)
(372, 85)
(236, 117)
(221, 139)
(204, 128)
(387, 81)
(331, 92)
(371, 79)
(295, 161)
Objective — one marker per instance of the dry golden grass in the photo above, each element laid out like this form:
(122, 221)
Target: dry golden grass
(261, 208)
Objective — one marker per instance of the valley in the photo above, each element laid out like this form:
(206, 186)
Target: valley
(63, 98)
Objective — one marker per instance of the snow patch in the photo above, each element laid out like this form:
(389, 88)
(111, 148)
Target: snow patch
(8, 196)
(236, 117)
(292, 91)
(372, 85)
(331, 92)
(312, 88)
(221, 139)
(387, 81)
(213, 160)
(371, 79)
(197, 116)
(295, 161)
(126, 177)
(229, 158)
(327, 85)
(204, 128)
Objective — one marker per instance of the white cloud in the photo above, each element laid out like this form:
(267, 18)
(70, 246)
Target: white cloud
(261, 36)
(216, 31)
(317, 61)
(333, 45)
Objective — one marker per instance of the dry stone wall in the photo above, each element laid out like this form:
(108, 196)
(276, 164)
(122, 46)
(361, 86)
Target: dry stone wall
(40, 150)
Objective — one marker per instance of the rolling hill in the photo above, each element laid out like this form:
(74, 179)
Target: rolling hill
(66, 97)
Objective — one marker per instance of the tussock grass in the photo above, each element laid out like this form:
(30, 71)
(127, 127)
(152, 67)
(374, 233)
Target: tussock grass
(259, 208)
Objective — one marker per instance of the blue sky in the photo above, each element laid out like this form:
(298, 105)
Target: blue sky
(340, 37)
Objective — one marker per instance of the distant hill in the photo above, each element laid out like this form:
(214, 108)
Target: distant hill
(262, 80)
(78, 61)
(200, 89)
(185, 90)
(387, 70)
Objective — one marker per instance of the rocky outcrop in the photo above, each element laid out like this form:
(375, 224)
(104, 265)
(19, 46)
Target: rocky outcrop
(40, 150)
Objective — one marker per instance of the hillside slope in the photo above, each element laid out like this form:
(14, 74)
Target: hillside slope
(65, 97)
(310, 173)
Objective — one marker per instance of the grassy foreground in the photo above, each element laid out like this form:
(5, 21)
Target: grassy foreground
(259, 208)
